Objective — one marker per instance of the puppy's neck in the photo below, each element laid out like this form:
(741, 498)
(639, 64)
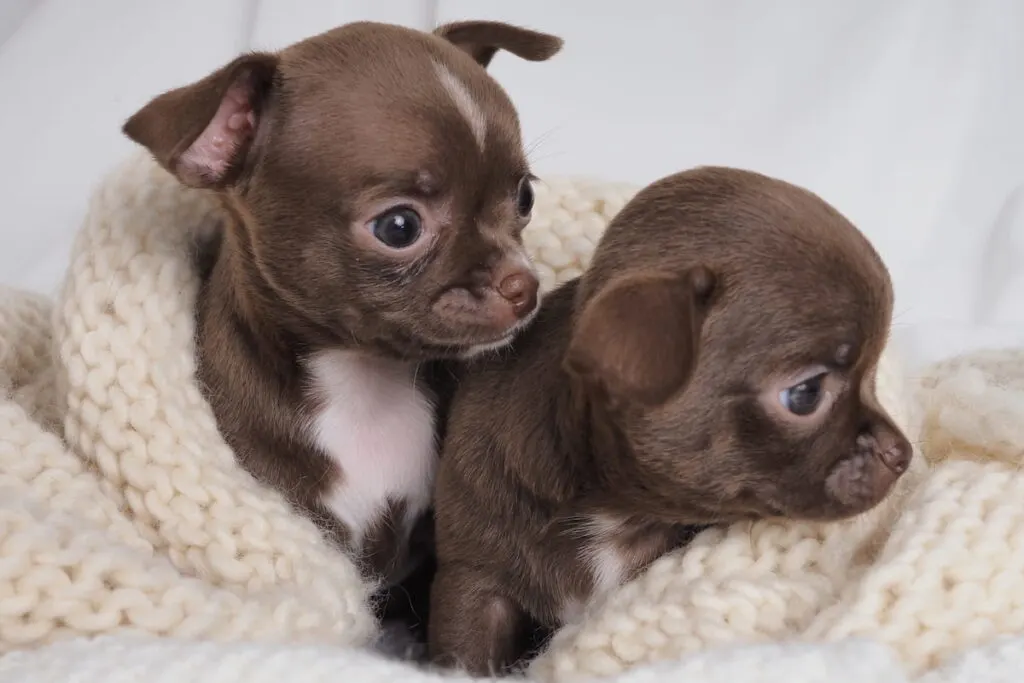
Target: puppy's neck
(595, 456)
(591, 463)
(615, 483)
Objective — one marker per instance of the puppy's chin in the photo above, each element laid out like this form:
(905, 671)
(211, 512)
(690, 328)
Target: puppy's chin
(470, 346)
(464, 350)
(482, 349)
(436, 339)
(847, 492)
(478, 350)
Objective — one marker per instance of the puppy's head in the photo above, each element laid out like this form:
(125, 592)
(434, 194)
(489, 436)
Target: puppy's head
(379, 175)
(732, 325)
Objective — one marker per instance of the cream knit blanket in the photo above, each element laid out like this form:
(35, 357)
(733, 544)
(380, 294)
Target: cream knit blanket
(124, 515)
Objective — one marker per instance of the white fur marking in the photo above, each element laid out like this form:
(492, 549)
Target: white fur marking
(378, 428)
(465, 103)
(480, 349)
(608, 566)
(607, 563)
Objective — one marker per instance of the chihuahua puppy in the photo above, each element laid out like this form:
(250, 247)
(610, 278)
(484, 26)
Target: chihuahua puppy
(374, 187)
(715, 363)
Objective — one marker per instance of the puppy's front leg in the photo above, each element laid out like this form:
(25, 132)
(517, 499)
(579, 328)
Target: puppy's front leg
(473, 625)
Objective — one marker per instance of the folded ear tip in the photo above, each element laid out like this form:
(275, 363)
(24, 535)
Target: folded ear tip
(483, 38)
(547, 47)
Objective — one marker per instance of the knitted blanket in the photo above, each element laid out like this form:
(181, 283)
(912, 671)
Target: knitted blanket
(132, 547)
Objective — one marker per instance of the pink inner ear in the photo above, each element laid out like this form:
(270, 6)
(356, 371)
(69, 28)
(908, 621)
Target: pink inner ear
(210, 156)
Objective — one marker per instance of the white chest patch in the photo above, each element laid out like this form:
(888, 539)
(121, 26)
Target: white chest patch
(378, 428)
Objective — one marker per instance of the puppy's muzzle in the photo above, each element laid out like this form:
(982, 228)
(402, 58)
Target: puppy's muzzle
(862, 480)
(491, 304)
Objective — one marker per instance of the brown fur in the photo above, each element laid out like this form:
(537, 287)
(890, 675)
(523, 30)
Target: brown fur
(643, 403)
(339, 123)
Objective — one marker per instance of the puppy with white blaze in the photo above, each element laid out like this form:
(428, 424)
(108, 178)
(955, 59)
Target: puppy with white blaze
(374, 188)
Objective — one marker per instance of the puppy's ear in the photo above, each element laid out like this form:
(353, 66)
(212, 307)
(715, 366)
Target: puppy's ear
(202, 132)
(483, 39)
(637, 339)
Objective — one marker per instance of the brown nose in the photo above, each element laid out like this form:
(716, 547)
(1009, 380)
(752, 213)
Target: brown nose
(520, 290)
(893, 450)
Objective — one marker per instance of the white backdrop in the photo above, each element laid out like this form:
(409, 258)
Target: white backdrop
(905, 114)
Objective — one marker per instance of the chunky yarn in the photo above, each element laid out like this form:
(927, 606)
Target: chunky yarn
(123, 509)
(133, 547)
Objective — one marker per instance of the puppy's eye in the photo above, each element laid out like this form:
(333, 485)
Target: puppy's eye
(398, 228)
(803, 399)
(524, 198)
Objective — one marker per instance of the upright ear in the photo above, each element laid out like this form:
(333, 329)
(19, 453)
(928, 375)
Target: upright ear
(637, 340)
(483, 39)
(202, 132)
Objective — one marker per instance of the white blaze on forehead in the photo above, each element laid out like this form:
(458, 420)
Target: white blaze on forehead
(465, 103)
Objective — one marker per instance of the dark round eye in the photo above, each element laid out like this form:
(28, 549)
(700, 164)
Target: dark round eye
(398, 228)
(524, 198)
(804, 398)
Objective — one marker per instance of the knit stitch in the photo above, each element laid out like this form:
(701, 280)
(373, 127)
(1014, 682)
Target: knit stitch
(123, 514)
(135, 516)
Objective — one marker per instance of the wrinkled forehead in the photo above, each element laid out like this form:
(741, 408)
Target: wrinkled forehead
(421, 111)
(789, 315)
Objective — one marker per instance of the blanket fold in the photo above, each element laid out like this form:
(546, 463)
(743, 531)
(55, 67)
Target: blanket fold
(132, 514)
(124, 516)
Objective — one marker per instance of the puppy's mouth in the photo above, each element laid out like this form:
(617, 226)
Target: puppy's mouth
(477, 350)
(482, 348)
(483, 313)
(467, 350)
(853, 487)
(479, 323)
(457, 339)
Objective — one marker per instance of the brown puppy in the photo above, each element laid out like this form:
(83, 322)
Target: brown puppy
(715, 363)
(374, 187)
